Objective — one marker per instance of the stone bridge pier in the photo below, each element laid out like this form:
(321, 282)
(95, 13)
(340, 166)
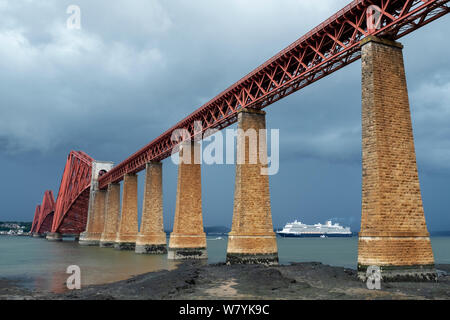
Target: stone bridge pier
(252, 239)
(96, 210)
(394, 234)
(152, 238)
(188, 239)
(112, 216)
(128, 225)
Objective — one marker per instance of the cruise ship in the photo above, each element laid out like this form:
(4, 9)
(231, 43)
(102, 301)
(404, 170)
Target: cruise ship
(298, 229)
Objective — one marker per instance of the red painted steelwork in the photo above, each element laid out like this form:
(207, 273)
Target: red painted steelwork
(46, 213)
(73, 196)
(327, 48)
(36, 218)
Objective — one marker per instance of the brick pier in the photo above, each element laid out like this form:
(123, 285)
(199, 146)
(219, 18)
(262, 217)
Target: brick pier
(96, 216)
(252, 239)
(96, 210)
(393, 233)
(152, 238)
(128, 225)
(188, 240)
(112, 215)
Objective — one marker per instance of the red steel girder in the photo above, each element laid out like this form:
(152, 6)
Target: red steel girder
(73, 196)
(46, 210)
(46, 224)
(75, 219)
(36, 218)
(327, 48)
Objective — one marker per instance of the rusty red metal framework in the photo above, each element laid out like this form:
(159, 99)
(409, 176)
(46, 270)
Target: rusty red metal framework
(36, 218)
(72, 203)
(43, 216)
(327, 48)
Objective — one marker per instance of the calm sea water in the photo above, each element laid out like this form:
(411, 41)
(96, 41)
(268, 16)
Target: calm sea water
(40, 264)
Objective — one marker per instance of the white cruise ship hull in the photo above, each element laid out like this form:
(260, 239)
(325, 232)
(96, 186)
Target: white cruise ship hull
(314, 235)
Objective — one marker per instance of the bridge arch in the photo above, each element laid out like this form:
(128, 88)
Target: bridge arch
(46, 213)
(73, 196)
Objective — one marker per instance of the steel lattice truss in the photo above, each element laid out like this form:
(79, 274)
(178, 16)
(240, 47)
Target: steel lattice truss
(36, 218)
(44, 214)
(327, 48)
(73, 196)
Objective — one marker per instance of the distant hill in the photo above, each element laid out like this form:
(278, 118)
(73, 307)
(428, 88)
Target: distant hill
(440, 233)
(216, 230)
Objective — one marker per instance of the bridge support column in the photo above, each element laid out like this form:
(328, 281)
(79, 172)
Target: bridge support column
(188, 239)
(152, 238)
(128, 226)
(252, 239)
(394, 234)
(54, 236)
(96, 211)
(96, 217)
(112, 213)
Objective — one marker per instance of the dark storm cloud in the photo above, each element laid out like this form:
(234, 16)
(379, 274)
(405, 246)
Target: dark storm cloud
(156, 59)
(137, 67)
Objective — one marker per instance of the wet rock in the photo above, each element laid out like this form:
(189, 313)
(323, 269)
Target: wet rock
(195, 280)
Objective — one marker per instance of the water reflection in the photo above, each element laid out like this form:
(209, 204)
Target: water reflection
(101, 265)
(40, 264)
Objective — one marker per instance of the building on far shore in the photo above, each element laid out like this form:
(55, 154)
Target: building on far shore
(13, 229)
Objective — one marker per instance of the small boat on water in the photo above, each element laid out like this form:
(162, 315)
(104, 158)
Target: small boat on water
(297, 229)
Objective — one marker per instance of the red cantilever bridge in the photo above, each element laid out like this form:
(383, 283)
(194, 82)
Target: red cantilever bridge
(327, 48)
(69, 214)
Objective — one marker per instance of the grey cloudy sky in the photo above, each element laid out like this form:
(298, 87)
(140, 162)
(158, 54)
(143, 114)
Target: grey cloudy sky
(137, 67)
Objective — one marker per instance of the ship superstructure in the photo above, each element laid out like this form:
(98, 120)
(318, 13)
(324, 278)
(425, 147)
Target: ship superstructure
(299, 229)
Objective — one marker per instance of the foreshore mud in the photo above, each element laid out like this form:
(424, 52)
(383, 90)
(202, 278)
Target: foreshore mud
(194, 280)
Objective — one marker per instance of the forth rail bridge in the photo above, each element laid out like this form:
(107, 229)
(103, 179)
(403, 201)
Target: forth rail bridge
(393, 233)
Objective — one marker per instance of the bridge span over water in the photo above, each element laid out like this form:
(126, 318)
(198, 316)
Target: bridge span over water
(393, 233)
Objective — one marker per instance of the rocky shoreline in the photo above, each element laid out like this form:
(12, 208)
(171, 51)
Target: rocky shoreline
(197, 281)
